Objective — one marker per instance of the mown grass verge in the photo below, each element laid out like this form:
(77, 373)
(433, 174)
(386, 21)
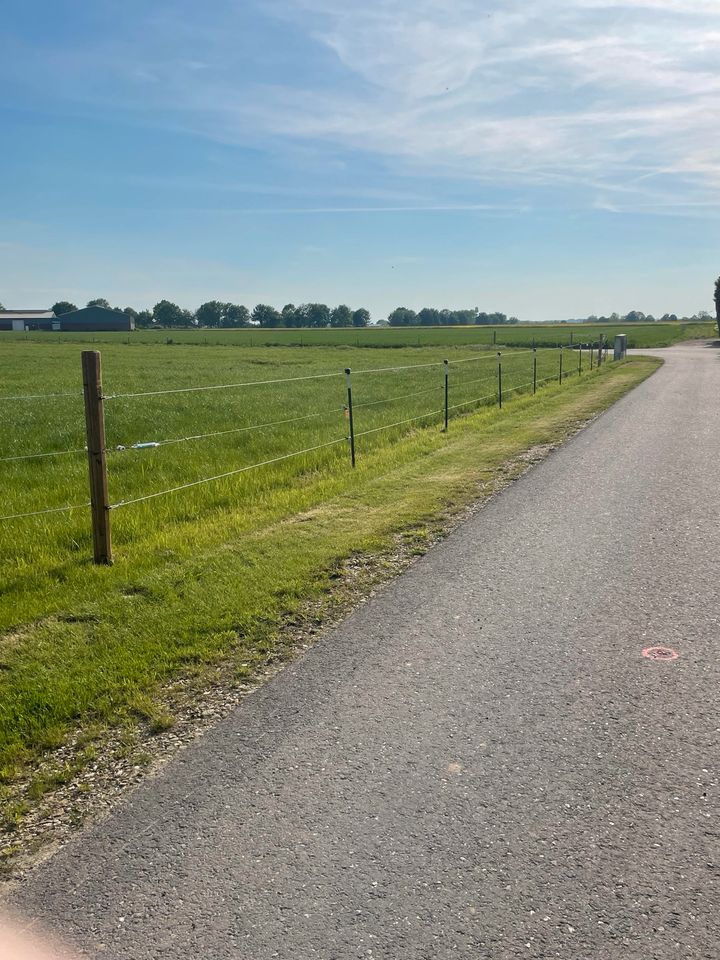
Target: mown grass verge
(104, 661)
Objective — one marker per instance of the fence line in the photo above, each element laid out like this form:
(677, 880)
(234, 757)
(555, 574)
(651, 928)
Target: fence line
(222, 476)
(335, 410)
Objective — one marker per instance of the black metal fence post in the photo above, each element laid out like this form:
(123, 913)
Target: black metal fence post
(580, 359)
(97, 463)
(350, 415)
(499, 380)
(534, 371)
(447, 392)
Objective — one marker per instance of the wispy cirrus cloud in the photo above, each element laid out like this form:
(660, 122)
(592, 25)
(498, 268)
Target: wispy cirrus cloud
(617, 101)
(606, 94)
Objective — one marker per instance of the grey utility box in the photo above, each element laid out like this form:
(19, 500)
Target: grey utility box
(620, 346)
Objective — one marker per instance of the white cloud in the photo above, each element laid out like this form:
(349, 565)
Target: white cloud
(618, 99)
(588, 91)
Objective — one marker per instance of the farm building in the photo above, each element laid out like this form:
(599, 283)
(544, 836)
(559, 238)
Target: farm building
(94, 319)
(88, 319)
(27, 320)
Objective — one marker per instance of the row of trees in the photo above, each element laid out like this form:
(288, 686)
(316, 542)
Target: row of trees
(214, 313)
(637, 316)
(430, 317)
(217, 314)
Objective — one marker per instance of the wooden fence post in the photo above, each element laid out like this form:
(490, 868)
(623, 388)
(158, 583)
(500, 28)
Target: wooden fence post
(97, 464)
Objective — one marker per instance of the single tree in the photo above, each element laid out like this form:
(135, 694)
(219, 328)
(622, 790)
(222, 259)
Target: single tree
(266, 316)
(402, 317)
(130, 312)
(144, 319)
(99, 302)
(168, 314)
(210, 314)
(318, 314)
(341, 316)
(290, 316)
(62, 306)
(361, 317)
(428, 317)
(236, 315)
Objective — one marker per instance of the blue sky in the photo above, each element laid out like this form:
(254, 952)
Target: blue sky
(548, 159)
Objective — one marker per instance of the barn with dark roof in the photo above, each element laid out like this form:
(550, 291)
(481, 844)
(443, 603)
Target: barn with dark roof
(87, 320)
(94, 319)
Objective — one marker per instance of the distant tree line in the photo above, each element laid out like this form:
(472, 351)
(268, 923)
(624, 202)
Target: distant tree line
(430, 317)
(637, 316)
(214, 313)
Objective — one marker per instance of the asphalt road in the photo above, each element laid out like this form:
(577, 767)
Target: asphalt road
(479, 762)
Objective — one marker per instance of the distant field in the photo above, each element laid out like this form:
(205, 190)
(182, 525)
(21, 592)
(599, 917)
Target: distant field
(542, 335)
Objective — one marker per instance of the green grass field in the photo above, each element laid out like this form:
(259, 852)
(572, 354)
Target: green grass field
(246, 425)
(208, 573)
(543, 335)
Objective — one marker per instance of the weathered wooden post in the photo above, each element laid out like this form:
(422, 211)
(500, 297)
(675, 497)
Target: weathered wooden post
(97, 464)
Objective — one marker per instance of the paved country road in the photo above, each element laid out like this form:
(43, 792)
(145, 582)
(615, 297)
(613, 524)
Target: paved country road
(479, 762)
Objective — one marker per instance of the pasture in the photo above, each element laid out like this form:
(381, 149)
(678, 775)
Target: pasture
(206, 574)
(524, 335)
(288, 400)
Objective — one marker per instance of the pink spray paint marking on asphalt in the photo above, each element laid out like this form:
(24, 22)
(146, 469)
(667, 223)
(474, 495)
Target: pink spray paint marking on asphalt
(660, 653)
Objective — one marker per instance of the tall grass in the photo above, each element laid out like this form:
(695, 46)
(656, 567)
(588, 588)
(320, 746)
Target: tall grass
(248, 425)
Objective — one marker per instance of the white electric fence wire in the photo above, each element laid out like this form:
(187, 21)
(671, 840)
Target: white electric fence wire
(222, 476)
(37, 513)
(405, 396)
(510, 355)
(489, 396)
(40, 396)
(456, 385)
(398, 423)
(35, 456)
(274, 423)
(409, 366)
(222, 433)
(220, 386)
